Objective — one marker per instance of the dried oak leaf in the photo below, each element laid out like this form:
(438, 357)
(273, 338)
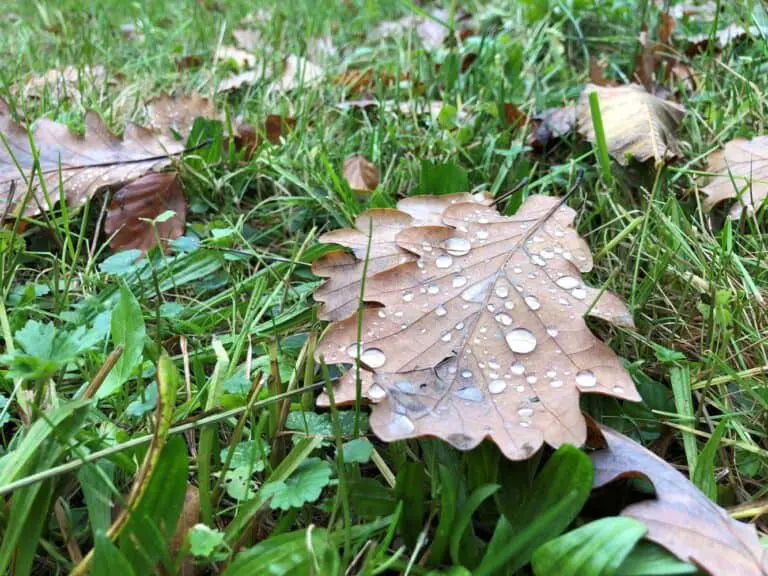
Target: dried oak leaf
(86, 163)
(145, 199)
(480, 332)
(636, 124)
(551, 124)
(297, 71)
(169, 113)
(360, 174)
(681, 518)
(742, 172)
(63, 83)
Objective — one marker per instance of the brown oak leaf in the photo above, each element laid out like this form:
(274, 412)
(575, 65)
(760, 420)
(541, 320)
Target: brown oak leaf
(742, 172)
(681, 518)
(480, 332)
(360, 174)
(145, 199)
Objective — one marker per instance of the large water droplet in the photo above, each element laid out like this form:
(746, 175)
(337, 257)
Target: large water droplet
(556, 384)
(460, 326)
(440, 311)
(433, 289)
(446, 337)
(400, 425)
(525, 412)
(533, 302)
(517, 369)
(458, 281)
(497, 386)
(521, 341)
(443, 261)
(470, 393)
(482, 234)
(586, 379)
(373, 357)
(579, 293)
(407, 296)
(376, 392)
(457, 246)
(466, 373)
(567, 282)
(502, 291)
(538, 260)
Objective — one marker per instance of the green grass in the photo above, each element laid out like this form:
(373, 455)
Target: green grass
(696, 287)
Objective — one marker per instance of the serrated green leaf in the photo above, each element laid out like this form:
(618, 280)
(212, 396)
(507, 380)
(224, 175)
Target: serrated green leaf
(358, 450)
(304, 485)
(203, 541)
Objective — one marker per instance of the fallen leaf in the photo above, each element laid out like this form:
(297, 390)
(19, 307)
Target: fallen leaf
(432, 31)
(551, 124)
(681, 518)
(705, 11)
(479, 332)
(241, 58)
(236, 81)
(169, 113)
(188, 62)
(297, 72)
(144, 199)
(667, 26)
(63, 84)
(513, 115)
(742, 172)
(359, 81)
(646, 63)
(86, 164)
(597, 73)
(190, 516)
(276, 126)
(248, 40)
(636, 124)
(722, 38)
(360, 174)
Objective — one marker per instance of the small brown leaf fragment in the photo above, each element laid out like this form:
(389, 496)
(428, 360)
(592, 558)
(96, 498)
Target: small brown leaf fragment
(145, 199)
(597, 73)
(190, 515)
(513, 115)
(645, 64)
(741, 169)
(188, 62)
(360, 174)
(681, 518)
(636, 124)
(551, 124)
(276, 126)
(667, 26)
(479, 332)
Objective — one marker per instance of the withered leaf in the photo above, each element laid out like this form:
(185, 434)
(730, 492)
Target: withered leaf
(597, 73)
(297, 71)
(742, 172)
(432, 31)
(637, 124)
(360, 174)
(276, 126)
(88, 163)
(480, 333)
(145, 199)
(241, 58)
(169, 113)
(551, 124)
(722, 38)
(247, 39)
(63, 83)
(681, 518)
